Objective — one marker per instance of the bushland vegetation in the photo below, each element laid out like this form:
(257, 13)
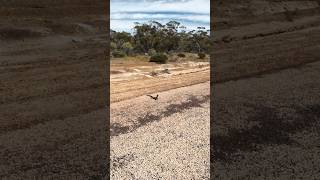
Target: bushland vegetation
(156, 39)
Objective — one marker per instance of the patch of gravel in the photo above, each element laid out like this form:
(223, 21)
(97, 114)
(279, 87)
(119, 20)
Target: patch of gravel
(267, 127)
(165, 140)
(71, 148)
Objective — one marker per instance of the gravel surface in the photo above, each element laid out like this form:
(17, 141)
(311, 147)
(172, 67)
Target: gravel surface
(267, 127)
(266, 90)
(163, 139)
(71, 148)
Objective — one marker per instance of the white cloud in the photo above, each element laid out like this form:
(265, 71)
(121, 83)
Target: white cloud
(188, 12)
(198, 6)
(156, 16)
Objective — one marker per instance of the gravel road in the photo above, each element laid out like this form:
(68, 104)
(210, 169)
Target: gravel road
(163, 139)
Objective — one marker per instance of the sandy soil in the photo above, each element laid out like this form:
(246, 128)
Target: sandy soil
(129, 89)
(129, 79)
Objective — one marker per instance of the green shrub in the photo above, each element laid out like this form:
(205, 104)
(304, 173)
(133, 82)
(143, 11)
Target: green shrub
(181, 55)
(118, 54)
(113, 46)
(152, 52)
(159, 58)
(201, 55)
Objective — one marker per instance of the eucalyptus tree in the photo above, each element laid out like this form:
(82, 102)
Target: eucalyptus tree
(201, 39)
(158, 37)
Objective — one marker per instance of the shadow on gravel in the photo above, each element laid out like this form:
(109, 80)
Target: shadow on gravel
(274, 128)
(122, 161)
(116, 129)
(193, 101)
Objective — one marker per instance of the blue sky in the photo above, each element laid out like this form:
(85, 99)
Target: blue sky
(190, 13)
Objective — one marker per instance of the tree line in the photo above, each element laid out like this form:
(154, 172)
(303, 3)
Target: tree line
(154, 37)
